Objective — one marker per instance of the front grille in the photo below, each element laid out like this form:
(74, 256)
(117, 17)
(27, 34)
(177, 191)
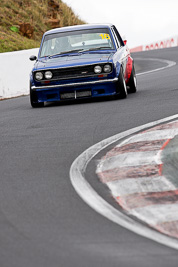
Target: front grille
(75, 94)
(72, 72)
(83, 93)
(81, 71)
(68, 95)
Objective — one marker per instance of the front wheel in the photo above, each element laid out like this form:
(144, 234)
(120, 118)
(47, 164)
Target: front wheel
(121, 88)
(34, 100)
(132, 82)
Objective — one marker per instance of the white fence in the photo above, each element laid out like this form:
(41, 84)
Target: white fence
(15, 68)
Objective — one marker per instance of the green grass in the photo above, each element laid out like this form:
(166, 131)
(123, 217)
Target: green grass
(35, 12)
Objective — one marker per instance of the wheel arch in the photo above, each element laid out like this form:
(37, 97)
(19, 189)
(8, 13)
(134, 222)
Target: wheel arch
(129, 66)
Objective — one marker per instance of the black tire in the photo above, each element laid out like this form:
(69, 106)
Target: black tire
(121, 88)
(34, 100)
(132, 82)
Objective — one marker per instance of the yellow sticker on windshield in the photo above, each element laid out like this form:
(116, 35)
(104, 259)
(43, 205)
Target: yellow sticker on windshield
(105, 36)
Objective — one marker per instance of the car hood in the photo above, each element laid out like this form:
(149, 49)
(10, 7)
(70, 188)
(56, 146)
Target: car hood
(73, 60)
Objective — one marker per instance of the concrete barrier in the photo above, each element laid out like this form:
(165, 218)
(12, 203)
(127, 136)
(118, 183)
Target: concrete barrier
(15, 68)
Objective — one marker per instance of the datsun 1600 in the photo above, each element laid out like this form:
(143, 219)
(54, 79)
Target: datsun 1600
(83, 61)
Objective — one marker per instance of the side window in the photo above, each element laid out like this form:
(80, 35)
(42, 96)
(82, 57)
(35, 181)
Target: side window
(118, 36)
(115, 38)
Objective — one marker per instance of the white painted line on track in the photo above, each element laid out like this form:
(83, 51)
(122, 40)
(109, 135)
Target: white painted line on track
(95, 201)
(170, 64)
(129, 159)
(140, 185)
(156, 214)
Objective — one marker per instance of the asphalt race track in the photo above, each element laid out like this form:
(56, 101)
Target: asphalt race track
(43, 222)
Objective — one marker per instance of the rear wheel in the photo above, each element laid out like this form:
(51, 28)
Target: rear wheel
(34, 100)
(132, 82)
(121, 88)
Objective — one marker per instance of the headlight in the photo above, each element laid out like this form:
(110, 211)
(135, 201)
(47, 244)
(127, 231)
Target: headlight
(48, 75)
(107, 68)
(39, 75)
(97, 69)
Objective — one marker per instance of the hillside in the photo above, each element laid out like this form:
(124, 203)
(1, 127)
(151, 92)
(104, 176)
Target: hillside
(23, 22)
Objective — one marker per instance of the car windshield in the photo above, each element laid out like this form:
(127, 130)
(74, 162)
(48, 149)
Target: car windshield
(76, 41)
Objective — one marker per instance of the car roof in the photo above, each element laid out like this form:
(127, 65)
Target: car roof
(78, 27)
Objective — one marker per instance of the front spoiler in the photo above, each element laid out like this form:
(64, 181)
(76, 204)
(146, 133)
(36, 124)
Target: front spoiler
(74, 84)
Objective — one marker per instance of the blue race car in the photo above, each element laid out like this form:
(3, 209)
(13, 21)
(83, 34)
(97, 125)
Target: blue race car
(82, 61)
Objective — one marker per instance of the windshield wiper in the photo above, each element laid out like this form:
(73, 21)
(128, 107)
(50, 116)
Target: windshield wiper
(65, 52)
(80, 51)
(96, 48)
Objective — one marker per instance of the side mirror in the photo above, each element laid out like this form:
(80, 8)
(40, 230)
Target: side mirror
(125, 42)
(32, 58)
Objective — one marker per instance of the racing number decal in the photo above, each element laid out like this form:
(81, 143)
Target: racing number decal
(105, 36)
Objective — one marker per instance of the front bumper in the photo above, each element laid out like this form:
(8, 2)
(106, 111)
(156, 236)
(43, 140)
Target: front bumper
(47, 87)
(84, 89)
